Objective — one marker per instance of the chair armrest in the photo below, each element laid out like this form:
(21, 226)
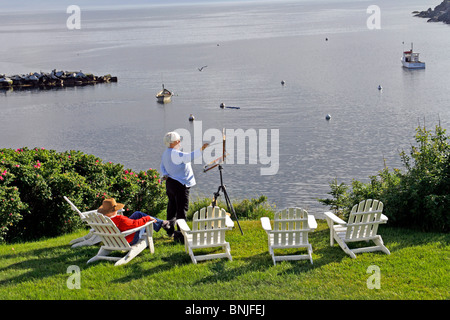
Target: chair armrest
(331, 216)
(312, 223)
(265, 222)
(183, 225)
(130, 231)
(384, 219)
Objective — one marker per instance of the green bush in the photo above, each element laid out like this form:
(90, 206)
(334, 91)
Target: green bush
(33, 183)
(418, 196)
(247, 209)
(339, 202)
(11, 209)
(421, 197)
(254, 209)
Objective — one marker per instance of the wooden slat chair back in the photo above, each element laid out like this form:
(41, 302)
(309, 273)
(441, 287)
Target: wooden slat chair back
(291, 228)
(114, 240)
(208, 227)
(89, 239)
(364, 220)
(362, 225)
(111, 236)
(208, 231)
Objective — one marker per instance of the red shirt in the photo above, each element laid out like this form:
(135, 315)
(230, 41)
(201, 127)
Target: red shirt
(124, 223)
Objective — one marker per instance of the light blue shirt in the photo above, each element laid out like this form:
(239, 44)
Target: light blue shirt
(177, 165)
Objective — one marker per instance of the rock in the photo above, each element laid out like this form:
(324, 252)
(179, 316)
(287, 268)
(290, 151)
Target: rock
(53, 79)
(441, 13)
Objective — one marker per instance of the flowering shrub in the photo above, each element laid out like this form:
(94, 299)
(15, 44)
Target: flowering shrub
(34, 181)
(11, 208)
(416, 197)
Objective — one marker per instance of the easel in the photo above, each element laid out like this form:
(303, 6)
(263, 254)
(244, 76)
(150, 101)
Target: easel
(218, 163)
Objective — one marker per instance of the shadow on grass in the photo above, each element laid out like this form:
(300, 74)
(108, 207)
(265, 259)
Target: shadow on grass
(399, 238)
(260, 261)
(49, 261)
(42, 263)
(138, 270)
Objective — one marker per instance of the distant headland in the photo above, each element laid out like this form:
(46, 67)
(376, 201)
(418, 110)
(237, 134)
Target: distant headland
(440, 13)
(53, 79)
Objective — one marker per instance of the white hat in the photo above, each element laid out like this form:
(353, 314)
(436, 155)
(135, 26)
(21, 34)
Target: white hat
(171, 137)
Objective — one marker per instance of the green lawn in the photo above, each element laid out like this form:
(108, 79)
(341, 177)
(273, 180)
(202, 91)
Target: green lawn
(417, 269)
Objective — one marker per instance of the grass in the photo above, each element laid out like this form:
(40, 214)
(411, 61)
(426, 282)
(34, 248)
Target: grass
(417, 269)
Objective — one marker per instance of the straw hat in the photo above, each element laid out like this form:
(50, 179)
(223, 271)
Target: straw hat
(110, 206)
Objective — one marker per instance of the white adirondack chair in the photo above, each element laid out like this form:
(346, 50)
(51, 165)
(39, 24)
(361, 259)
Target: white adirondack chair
(362, 225)
(114, 240)
(208, 231)
(291, 228)
(89, 239)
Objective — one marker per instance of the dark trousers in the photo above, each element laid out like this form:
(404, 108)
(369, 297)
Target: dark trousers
(178, 195)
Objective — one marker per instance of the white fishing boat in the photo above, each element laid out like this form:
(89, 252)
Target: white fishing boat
(164, 95)
(411, 60)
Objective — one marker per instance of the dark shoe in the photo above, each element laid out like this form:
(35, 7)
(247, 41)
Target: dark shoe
(178, 237)
(166, 225)
(169, 226)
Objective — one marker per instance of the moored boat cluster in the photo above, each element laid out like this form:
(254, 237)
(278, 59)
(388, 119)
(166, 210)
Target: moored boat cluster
(53, 79)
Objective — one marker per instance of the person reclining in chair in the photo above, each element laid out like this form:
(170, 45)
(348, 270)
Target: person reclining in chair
(110, 207)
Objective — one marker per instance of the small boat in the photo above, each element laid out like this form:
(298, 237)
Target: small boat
(411, 60)
(164, 95)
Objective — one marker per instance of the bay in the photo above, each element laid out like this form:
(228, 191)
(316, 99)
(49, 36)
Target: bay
(249, 47)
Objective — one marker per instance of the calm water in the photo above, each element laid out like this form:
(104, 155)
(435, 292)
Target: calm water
(249, 48)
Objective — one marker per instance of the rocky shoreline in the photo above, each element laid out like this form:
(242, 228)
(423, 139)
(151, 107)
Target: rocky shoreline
(441, 13)
(53, 79)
